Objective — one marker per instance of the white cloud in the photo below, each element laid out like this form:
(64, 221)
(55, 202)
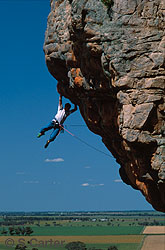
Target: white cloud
(20, 173)
(31, 182)
(54, 160)
(87, 167)
(92, 185)
(118, 180)
(85, 184)
(97, 185)
(56, 183)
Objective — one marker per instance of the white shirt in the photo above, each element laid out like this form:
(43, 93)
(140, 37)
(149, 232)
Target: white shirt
(61, 115)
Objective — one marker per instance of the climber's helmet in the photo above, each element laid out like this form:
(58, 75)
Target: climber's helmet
(67, 106)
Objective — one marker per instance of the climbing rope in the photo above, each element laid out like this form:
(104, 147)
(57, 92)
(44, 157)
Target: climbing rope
(89, 145)
(70, 125)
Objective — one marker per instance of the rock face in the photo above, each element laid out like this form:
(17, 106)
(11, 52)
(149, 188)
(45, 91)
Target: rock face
(109, 58)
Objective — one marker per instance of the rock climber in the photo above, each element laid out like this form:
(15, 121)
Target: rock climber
(57, 123)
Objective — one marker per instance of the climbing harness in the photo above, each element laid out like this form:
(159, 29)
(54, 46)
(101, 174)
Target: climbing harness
(89, 145)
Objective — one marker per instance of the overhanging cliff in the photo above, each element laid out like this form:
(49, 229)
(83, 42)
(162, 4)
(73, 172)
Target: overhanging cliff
(108, 57)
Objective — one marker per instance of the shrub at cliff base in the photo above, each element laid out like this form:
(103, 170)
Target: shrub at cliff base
(77, 245)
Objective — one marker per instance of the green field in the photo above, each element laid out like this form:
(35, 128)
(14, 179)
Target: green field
(95, 230)
(123, 229)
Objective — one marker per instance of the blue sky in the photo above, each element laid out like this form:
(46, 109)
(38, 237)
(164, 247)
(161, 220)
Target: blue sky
(68, 175)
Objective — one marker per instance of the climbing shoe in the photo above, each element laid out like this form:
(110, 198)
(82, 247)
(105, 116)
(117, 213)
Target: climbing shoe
(39, 135)
(47, 143)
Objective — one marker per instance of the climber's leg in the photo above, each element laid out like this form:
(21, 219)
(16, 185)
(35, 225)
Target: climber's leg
(52, 136)
(46, 128)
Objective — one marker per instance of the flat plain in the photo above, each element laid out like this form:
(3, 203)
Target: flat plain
(154, 242)
(98, 230)
(154, 230)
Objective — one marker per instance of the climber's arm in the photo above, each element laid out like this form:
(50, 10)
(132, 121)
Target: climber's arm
(75, 108)
(60, 102)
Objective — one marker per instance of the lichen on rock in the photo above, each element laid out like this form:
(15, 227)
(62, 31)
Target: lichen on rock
(112, 64)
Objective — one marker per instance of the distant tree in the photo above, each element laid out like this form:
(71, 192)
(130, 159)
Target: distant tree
(156, 223)
(4, 231)
(23, 230)
(11, 230)
(47, 224)
(112, 248)
(28, 231)
(17, 231)
(20, 247)
(94, 248)
(76, 245)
